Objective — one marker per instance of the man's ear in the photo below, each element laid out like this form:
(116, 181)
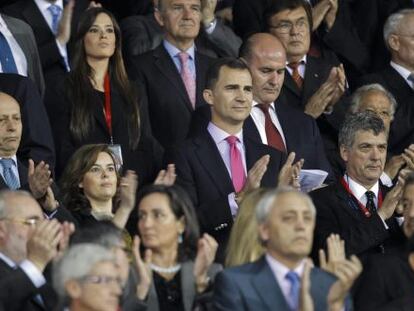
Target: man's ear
(344, 153)
(158, 17)
(263, 232)
(208, 96)
(73, 289)
(393, 42)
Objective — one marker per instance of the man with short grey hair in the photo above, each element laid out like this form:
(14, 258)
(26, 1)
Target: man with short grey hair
(286, 220)
(358, 207)
(398, 78)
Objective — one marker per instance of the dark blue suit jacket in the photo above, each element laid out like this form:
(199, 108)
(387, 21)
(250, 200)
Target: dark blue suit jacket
(253, 287)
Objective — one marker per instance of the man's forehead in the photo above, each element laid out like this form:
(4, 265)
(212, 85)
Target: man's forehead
(22, 207)
(290, 202)
(290, 14)
(234, 76)
(174, 2)
(363, 136)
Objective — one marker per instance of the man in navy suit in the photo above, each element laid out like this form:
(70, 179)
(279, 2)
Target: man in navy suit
(286, 220)
(220, 164)
(266, 58)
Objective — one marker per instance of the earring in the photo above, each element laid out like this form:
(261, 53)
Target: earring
(180, 238)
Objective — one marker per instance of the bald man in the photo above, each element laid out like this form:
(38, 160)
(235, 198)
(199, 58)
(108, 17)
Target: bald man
(272, 120)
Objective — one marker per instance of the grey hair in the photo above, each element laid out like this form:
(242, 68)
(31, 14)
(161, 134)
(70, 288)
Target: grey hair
(265, 205)
(363, 90)
(361, 121)
(393, 22)
(76, 263)
(6, 194)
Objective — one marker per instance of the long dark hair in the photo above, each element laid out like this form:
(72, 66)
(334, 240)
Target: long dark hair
(80, 90)
(181, 206)
(79, 164)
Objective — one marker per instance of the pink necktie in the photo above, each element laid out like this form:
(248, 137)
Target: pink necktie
(187, 77)
(236, 164)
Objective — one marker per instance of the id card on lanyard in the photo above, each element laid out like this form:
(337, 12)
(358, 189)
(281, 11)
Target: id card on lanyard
(115, 148)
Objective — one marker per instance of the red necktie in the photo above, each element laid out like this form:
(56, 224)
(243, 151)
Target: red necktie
(274, 139)
(295, 74)
(236, 164)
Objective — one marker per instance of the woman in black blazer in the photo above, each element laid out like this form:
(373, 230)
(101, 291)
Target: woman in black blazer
(98, 104)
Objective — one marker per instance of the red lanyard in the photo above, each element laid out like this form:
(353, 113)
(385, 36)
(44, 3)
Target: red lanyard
(362, 207)
(108, 112)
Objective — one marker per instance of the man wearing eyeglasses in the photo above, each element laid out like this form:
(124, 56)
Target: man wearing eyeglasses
(312, 83)
(28, 242)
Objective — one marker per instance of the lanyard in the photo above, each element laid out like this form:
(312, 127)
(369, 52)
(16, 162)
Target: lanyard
(108, 112)
(361, 206)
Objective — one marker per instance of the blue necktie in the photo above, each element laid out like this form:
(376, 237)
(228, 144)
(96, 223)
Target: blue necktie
(293, 298)
(9, 177)
(55, 11)
(6, 56)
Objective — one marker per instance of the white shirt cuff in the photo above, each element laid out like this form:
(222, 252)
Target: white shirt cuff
(233, 205)
(33, 273)
(386, 180)
(211, 27)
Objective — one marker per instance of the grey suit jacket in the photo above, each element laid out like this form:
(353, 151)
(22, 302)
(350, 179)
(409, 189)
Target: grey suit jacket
(188, 290)
(253, 287)
(24, 36)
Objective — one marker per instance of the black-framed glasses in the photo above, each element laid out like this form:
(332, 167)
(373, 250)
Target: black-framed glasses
(286, 27)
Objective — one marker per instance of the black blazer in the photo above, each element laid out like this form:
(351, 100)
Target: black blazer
(17, 292)
(36, 142)
(402, 127)
(337, 213)
(52, 61)
(301, 134)
(203, 174)
(169, 106)
(142, 160)
(386, 284)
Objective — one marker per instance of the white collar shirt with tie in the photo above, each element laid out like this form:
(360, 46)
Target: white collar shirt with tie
(404, 73)
(14, 169)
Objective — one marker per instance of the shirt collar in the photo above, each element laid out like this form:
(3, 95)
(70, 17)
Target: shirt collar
(7, 260)
(358, 190)
(255, 103)
(302, 61)
(14, 158)
(401, 70)
(2, 22)
(173, 51)
(219, 135)
(280, 270)
(43, 5)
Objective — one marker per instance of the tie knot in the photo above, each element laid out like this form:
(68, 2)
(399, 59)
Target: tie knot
(292, 277)
(411, 77)
(370, 195)
(54, 9)
(232, 140)
(294, 65)
(264, 107)
(7, 162)
(183, 56)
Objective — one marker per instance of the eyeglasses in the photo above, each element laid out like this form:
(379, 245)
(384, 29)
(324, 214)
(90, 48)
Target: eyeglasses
(102, 279)
(28, 222)
(286, 27)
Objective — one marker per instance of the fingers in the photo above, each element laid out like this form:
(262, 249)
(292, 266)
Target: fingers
(31, 167)
(166, 177)
(322, 260)
(255, 174)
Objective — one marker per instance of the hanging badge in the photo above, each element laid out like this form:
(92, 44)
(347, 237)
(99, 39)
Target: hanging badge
(117, 152)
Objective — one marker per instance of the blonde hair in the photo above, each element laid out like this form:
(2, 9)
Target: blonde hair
(244, 245)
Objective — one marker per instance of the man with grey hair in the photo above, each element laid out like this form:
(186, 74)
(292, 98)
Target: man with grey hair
(398, 78)
(358, 207)
(28, 242)
(87, 277)
(286, 220)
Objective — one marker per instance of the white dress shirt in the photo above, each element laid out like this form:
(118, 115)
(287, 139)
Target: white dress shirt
(405, 73)
(14, 169)
(17, 52)
(258, 117)
(301, 67)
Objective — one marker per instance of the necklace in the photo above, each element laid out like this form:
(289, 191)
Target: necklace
(169, 270)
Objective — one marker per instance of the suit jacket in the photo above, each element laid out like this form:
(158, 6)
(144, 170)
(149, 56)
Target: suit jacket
(36, 142)
(52, 62)
(169, 106)
(17, 292)
(402, 127)
(301, 134)
(24, 36)
(337, 212)
(253, 287)
(316, 73)
(141, 34)
(203, 174)
(387, 284)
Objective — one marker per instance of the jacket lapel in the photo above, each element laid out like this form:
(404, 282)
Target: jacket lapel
(210, 158)
(167, 68)
(265, 280)
(290, 84)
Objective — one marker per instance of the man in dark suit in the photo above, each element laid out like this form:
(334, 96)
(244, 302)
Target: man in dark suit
(212, 165)
(397, 78)
(53, 31)
(266, 58)
(358, 207)
(286, 219)
(27, 244)
(29, 61)
(314, 84)
(174, 73)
